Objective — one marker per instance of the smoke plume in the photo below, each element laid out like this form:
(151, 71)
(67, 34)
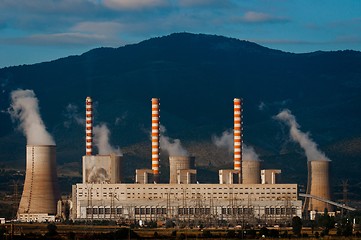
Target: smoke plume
(308, 145)
(226, 141)
(72, 115)
(101, 140)
(24, 108)
(101, 132)
(172, 146)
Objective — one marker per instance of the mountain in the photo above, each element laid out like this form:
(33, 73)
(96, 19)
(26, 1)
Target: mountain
(196, 76)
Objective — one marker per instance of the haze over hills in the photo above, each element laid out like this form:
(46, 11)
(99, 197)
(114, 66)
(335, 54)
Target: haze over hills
(196, 76)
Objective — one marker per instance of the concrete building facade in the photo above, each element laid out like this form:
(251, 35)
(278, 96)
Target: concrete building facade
(249, 202)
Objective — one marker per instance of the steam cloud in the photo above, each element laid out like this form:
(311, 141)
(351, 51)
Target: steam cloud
(72, 115)
(308, 145)
(226, 141)
(101, 140)
(101, 131)
(172, 146)
(24, 108)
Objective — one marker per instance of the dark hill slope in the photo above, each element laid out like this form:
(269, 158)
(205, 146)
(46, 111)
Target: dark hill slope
(196, 76)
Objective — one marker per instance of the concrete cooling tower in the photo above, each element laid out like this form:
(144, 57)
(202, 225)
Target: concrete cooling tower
(177, 163)
(319, 185)
(251, 173)
(41, 191)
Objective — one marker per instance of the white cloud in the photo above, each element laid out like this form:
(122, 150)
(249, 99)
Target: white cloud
(45, 6)
(195, 3)
(106, 27)
(260, 17)
(66, 38)
(134, 4)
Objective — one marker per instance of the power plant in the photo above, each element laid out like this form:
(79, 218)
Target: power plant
(239, 196)
(245, 193)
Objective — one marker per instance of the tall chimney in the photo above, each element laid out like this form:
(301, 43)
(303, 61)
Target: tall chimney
(237, 135)
(89, 126)
(155, 138)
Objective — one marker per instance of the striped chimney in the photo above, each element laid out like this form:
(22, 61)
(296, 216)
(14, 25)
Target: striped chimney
(88, 126)
(155, 137)
(237, 134)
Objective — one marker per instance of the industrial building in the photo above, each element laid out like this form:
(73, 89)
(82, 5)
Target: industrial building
(253, 203)
(238, 197)
(244, 194)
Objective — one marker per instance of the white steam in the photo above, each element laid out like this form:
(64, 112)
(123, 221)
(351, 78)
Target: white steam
(101, 140)
(101, 132)
(24, 108)
(226, 141)
(72, 115)
(172, 146)
(308, 145)
(249, 154)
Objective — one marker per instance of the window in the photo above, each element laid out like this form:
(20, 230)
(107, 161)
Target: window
(278, 211)
(107, 210)
(164, 211)
(101, 210)
(137, 211)
(272, 211)
(267, 211)
(89, 211)
(95, 211)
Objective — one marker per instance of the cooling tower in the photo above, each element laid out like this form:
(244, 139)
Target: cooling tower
(237, 136)
(41, 191)
(179, 163)
(155, 138)
(251, 173)
(319, 185)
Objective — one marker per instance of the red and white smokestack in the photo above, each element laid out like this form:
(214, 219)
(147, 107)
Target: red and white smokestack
(237, 134)
(155, 137)
(88, 126)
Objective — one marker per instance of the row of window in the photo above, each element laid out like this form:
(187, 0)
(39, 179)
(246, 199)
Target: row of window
(191, 210)
(233, 211)
(143, 211)
(280, 211)
(104, 210)
(215, 188)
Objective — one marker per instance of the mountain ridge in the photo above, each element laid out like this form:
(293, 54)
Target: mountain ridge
(196, 76)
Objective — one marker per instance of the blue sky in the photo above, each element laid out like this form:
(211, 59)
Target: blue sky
(43, 30)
